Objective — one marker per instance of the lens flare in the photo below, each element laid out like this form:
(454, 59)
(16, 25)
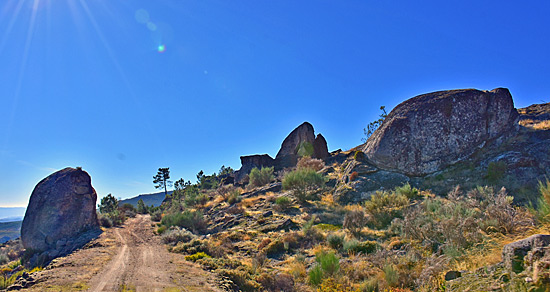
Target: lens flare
(161, 48)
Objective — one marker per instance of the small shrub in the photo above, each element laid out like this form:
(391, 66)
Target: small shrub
(384, 206)
(234, 196)
(161, 229)
(105, 221)
(359, 156)
(193, 220)
(279, 282)
(354, 221)
(274, 248)
(407, 191)
(283, 202)
(303, 182)
(335, 241)
(3, 259)
(241, 279)
(328, 261)
(350, 246)
(542, 210)
(156, 215)
(370, 285)
(258, 178)
(175, 235)
(311, 163)
(316, 275)
(391, 275)
(196, 256)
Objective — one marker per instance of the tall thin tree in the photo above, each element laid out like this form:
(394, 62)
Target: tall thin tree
(162, 179)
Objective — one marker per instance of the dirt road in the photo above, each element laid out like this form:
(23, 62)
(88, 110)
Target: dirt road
(130, 258)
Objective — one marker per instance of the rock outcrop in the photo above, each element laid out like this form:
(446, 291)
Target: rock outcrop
(429, 132)
(61, 215)
(300, 142)
(524, 254)
(251, 161)
(320, 148)
(300, 139)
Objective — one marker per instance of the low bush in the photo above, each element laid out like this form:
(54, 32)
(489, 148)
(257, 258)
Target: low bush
(384, 206)
(175, 235)
(104, 221)
(196, 256)
(234, 196)
(354, 221)
(391, 275)
(260, 177)
(354, 246)
(359, 156)
(283, 202)
(278, 282)
(3, 259)
(335, 241)
(156, 215)
(193, 220)
(542, 208)
(328, 261)
(316, 275)
(241, 278)
(407, 191)
(311, 163)
(303, 182)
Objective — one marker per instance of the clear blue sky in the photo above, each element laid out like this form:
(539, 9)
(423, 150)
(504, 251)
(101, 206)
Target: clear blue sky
(122, 88)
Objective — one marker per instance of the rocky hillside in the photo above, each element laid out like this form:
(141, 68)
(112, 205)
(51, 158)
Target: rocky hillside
(435, 200)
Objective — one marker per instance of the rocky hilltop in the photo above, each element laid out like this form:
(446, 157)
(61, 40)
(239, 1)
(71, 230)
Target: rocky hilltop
(462, 137)
(61, 215)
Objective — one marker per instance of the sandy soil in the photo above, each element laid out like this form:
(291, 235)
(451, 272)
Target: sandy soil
(130, 258)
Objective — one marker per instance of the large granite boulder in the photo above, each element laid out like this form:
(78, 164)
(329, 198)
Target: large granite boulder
(252, 161)
(301, 142)
(428, 132)
(61, 214)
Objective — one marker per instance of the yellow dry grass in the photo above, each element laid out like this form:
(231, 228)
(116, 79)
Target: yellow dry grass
(492, 252)
(536, 125)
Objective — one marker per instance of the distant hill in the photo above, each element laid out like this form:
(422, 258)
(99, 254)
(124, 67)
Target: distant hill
(10, 213)
(10, 230)
(149, 199)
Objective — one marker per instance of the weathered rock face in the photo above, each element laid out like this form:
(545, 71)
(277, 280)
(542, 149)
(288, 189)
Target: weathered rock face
(251, 161)
(288, 154)
(320, 148)
(523, 254)
(428, 132)
(61, 209)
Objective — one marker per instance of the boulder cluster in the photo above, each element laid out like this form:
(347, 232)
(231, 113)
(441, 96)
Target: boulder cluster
(300, 142)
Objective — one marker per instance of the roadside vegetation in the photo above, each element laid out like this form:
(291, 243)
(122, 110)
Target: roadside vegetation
(298, 237)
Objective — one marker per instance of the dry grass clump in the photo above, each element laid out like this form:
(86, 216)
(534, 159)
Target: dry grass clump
(536, 124)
